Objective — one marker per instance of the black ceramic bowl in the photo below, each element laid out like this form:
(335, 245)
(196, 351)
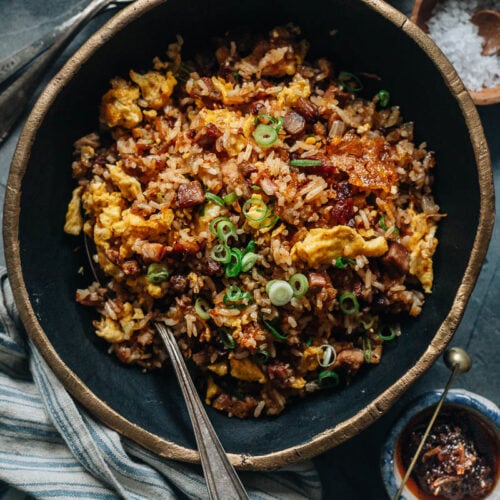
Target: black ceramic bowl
(369, 36)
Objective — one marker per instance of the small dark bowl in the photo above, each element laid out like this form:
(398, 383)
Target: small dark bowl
(370, 37)
(478, 410)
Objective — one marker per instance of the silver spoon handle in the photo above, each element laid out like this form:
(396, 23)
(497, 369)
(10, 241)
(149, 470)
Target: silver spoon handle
(222, 481)
(14, 99)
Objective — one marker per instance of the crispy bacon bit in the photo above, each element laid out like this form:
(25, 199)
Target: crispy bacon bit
(240, 408)
(294, 123)
(201, 358)
(152, 252)
(246, 168)
(131, 268)
(207, 90)
(317, 280)
(307, 109)
(213, 267)
(190, 194)
(366, 160)
(342, 212)
(256, 107)
(178, 283)
(279, 370)
(349, 360)
(182, 248)
(207, 136)
(396, 261)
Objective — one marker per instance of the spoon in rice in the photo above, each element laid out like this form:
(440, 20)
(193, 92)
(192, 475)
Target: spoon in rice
(221, 478)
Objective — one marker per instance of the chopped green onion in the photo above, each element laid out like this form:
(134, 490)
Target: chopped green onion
(233, 294)
(202, 308)
(328, 378)
(269, 284)
(248, 261)
(227, 338)
(230, 198)
(302, 162)
(386, 338)
(367, 322)
(273, 330)
(343, 262)
(344, 300)
(233, 267)
(328, 357)
(255, 187)
(385, 227)
(237, 297)
(309, 341)
(271, 223)
(214, 223)
(255, 209)
(261, 357)
(236, 76)
(226, 229)
(267, 117)
(250, 247)
(157, 273)
(221, 253)
(299, 285)
(367, 349)
(383, 97)
(279, 124)
(265, 135)
(350, 82)
(280, 292)
(214, 198)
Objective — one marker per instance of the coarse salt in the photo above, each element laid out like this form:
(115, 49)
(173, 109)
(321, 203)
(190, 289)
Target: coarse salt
(452, 30)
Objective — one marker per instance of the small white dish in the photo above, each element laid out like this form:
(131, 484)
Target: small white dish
(487, 411)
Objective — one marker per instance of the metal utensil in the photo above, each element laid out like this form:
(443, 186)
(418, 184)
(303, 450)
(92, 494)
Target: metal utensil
(221, 478)
(458, 361)
(14, 98)
(12, 63)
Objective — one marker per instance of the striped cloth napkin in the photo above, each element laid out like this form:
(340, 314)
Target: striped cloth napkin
(51, 447)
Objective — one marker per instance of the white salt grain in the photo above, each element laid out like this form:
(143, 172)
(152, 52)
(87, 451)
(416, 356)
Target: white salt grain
(452, 30)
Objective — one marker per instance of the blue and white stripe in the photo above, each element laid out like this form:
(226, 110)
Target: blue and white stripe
(50, 447)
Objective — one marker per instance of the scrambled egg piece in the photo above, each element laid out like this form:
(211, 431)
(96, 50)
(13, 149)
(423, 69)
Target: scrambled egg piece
(226, 119)
(212, 390)
(223, 87)
(309, 361)
(156, 89)
(117, 331)
(245, 369)
(298, 87)
(298, 383)
(422, 245)
(219, 368)
(119, 105)
(74, 219)
(129, 186)
(321, 246)
(109, 330)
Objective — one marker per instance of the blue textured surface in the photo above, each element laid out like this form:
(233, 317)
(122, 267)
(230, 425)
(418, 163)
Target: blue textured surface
(350, 471)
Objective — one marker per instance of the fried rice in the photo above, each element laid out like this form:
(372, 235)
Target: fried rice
(278, 222)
